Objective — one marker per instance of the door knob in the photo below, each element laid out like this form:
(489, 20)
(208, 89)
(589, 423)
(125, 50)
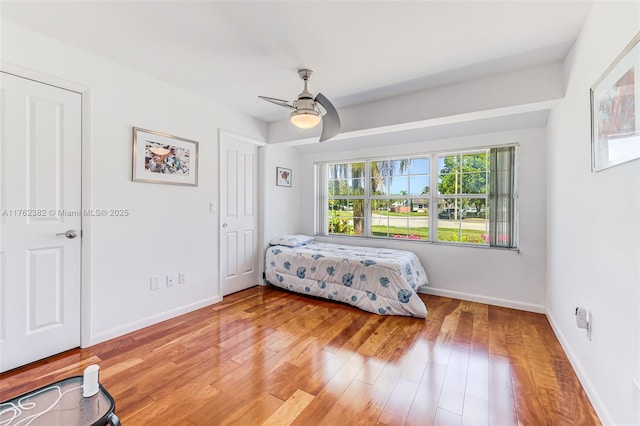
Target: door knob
(70, 234)
(224, 225)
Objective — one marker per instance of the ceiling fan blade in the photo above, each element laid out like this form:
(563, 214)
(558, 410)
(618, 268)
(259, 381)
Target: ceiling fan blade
(330, 121)
(279, 102)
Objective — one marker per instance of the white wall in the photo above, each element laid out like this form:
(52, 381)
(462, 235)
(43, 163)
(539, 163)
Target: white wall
(282, 213)
(170, 228)
(500, 277)
(593, 231)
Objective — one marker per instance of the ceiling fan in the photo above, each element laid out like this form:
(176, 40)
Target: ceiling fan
(307, 112)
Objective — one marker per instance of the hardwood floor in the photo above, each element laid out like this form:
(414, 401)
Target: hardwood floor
(265, 356)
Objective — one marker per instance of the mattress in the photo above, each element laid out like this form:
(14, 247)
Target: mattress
(378, 280)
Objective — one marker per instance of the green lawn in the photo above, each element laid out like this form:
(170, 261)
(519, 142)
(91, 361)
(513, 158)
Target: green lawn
(471, 236)
(341, 214)
(410, 214)
(381, 231)
(444, 234)
(468, 235)
(349, 214)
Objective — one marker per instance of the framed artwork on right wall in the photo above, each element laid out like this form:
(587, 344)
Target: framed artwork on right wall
(615, 111)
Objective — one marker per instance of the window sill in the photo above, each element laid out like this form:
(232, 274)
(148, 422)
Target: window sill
(406, 240)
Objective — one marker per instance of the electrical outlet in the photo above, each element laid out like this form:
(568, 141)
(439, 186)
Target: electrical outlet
(182, 277)
(583, 320)
(170, 280)
(154, 282)
(581, 317)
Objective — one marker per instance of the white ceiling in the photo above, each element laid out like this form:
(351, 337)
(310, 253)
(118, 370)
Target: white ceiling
(233, 51)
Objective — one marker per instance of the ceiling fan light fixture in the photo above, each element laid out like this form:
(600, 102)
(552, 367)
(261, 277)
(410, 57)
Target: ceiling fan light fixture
(309, 111)
(305, 119)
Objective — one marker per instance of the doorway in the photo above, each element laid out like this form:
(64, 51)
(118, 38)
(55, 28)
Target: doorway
(239, 212)
(40, 222)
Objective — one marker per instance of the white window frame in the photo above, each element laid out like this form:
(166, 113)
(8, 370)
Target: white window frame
(436, 195)
(322, 197)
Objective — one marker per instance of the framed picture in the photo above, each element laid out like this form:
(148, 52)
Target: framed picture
(615, 111)
(283, 176)
(162, 158)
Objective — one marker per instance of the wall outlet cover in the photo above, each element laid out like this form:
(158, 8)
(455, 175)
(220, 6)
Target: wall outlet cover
(154, 282)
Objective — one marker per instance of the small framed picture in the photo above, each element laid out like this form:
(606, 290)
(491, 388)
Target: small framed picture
(615, 111)
(162, 158)
(283, 176)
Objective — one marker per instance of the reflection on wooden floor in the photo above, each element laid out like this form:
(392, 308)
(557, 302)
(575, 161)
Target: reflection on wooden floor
(265, 356)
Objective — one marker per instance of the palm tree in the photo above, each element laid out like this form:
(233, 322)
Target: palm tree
(351, 175)
(382, 172)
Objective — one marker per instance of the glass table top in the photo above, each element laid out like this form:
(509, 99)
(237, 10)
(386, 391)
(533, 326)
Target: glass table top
(60, 403)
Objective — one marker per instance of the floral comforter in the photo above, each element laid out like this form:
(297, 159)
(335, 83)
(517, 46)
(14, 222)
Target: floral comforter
(381, 281)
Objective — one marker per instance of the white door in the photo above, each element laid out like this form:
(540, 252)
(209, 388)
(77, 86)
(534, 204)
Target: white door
(40, 160)
(239, 252)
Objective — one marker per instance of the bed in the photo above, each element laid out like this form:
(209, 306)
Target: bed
(382, 281)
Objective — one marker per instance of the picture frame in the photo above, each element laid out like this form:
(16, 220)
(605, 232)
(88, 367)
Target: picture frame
(615, 111)
(163, 158)
(283, 176)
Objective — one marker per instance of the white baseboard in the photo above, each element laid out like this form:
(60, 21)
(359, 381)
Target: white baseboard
(588, 387)
(154, 319)
(496, 301)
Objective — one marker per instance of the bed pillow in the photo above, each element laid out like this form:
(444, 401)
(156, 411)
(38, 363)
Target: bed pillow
(291, 240)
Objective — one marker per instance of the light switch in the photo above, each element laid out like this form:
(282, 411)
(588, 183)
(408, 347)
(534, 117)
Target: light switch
(155, 282)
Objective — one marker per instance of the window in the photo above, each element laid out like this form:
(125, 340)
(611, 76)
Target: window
(462, 198)
(473, 200)
(400, 198)
(346, 190)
